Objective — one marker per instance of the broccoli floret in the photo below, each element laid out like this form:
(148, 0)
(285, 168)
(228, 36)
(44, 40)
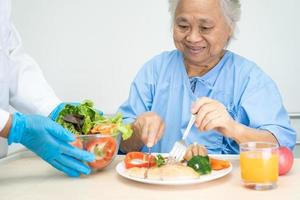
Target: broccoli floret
(160, 161)
(200, 164)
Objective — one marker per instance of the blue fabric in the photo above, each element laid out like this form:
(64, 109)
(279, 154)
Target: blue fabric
(49, 141)
(163, 86)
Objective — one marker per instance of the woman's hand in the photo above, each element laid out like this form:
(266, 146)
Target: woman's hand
(150, 127)
(195, 150)
(211, 114)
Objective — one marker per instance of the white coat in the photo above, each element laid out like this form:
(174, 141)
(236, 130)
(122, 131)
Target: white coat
(22, 84)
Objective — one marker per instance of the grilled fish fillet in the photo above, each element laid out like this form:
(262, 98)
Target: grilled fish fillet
(166, 172)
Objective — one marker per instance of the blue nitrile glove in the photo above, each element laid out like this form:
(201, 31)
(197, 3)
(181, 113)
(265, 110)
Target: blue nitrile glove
(49, 141)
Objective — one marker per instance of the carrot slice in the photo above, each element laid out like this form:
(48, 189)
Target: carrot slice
(217, 164)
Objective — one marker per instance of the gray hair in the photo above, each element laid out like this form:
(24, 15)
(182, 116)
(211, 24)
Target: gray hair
(231, 9)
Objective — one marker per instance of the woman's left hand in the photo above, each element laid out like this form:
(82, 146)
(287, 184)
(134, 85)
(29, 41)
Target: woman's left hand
(211, 114)
(195, 150)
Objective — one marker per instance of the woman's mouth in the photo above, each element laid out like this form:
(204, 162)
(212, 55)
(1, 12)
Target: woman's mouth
(195, 50)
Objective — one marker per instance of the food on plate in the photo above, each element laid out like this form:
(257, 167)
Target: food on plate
(200, 164)
(160, 160)
(136, 164)
(139, 159)
(218, 164)
(286, 159)
(94, 132)
(199, 150)
(166, 172)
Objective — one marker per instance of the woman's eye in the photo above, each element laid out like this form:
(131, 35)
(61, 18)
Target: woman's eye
(205, 28)
(184, 27)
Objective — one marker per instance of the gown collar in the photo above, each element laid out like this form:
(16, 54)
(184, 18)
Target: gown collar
(207, 79)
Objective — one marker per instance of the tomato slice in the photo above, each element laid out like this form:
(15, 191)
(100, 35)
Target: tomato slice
(77, 143)
(139, 159)
(103, 149)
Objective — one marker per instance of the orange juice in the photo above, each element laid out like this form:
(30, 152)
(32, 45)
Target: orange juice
(259, 166)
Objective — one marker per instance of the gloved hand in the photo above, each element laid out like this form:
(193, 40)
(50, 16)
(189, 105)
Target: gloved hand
(49, 141)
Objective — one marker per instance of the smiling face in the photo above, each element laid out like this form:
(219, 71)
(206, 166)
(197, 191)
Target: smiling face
(200, 32)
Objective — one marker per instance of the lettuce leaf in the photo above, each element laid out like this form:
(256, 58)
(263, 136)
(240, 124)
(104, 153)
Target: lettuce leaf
(124, 129)
(90, 118)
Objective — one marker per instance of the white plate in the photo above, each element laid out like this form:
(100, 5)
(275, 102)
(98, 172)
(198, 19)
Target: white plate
(121, 170)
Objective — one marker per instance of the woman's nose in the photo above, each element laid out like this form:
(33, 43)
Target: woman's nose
(194, 36)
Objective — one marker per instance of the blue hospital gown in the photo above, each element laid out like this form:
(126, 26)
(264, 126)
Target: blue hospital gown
(250, 96)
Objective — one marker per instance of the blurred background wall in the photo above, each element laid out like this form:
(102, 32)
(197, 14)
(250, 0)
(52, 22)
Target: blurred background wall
(92, 49)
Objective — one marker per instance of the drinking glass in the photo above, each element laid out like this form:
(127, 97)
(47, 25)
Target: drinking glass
(259, 165)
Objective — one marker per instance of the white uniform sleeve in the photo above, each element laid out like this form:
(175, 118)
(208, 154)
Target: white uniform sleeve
(3, 118)
(28, 90)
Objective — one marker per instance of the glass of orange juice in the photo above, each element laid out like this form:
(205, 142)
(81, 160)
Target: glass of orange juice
(259, 164)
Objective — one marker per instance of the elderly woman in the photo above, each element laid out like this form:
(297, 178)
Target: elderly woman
(233, 99)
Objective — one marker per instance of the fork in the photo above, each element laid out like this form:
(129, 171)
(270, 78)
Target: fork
(179, 148)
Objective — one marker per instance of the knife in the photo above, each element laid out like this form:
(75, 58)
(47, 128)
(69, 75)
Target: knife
(149, 156)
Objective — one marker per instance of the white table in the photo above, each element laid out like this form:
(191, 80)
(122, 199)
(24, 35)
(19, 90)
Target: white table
(27, 177)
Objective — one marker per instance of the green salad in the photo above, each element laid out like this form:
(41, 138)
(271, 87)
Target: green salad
(84, 119)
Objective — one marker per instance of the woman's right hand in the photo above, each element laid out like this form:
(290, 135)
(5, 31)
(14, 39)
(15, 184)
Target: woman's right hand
(150, 127)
